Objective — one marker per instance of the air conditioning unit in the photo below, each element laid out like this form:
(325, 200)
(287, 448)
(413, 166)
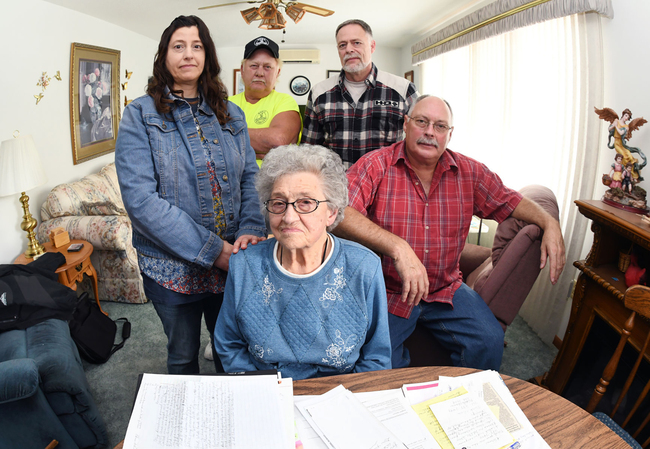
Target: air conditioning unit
(300, 56)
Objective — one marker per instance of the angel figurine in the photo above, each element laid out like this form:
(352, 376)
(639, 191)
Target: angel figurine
(625, 174)
(621, 131)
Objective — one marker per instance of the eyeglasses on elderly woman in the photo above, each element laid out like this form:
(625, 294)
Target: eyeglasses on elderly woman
(301, 205)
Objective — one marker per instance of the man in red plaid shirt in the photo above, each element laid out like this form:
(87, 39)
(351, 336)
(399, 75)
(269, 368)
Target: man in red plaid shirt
(419, 198)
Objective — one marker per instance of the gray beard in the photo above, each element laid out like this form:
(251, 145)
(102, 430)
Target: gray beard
(359, 67)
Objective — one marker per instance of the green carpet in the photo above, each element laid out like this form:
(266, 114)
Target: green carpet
(113, 384)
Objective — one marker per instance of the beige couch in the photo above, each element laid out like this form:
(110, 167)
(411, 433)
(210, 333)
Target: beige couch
(91, 209)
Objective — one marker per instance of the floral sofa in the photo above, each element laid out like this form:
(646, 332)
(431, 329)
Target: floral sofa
(91, 209)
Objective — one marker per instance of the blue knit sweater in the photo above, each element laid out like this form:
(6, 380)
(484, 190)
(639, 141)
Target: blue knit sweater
(333, 321)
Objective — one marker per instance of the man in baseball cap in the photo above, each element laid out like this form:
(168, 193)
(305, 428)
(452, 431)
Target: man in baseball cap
(261, 42)
(273, 118)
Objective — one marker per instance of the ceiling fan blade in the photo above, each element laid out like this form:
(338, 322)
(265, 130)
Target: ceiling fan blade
(315, 9)
(228, 4)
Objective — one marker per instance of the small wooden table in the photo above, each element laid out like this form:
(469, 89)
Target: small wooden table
(76, 265)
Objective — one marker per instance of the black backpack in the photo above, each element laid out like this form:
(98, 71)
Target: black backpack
(94, 333)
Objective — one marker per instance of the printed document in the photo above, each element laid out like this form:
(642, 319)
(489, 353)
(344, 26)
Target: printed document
(343, 422)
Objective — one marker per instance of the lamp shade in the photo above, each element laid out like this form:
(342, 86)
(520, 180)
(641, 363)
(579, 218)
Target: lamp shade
(20, 166)
(267, 11)
(250, 15)
(296, 14)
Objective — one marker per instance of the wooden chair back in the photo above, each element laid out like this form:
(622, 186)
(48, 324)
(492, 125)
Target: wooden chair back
(637, 299)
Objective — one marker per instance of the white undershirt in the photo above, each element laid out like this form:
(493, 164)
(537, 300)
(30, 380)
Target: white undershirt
(356, 89)
(301, 276)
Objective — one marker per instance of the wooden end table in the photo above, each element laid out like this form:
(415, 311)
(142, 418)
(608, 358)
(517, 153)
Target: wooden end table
(76, 265)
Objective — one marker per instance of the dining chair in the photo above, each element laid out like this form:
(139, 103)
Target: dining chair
(636, 299)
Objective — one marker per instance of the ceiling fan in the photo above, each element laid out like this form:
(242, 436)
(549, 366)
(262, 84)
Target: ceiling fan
(269, 12)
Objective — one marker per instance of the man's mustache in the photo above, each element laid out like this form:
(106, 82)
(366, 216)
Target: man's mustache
(350, 56)
(428, 141)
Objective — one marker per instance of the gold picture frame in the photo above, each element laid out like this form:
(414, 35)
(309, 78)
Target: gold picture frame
(237, 82)
(94, 101)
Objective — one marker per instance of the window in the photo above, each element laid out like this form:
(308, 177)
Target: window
(523, 105)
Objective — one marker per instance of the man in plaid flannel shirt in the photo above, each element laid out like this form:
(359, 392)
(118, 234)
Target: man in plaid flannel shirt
(419, 198)
(363, 108)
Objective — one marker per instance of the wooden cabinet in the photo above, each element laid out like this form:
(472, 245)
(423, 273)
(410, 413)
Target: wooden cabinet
(600, 286)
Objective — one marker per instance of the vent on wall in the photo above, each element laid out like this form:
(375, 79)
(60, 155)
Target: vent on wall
(300, 56)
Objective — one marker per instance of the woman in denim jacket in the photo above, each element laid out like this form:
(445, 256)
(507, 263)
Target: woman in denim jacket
(186, 171)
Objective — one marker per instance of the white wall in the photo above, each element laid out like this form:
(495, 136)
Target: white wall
(386, 59)
(37, 37)
(625, 40)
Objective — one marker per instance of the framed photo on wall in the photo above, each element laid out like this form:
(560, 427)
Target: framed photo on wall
(94, 100)
(409, 75)
(237, 82)
(331, 73)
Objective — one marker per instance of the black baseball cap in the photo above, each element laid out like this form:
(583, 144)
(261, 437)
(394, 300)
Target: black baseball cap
(261, 42)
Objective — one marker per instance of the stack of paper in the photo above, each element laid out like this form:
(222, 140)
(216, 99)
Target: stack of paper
(474, 411)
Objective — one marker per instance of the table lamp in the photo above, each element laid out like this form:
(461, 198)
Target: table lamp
(21, 170)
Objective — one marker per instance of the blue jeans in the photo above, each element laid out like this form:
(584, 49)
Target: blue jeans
(468, 330)
(182, 324)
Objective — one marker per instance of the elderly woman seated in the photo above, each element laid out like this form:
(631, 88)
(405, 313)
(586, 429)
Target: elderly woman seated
(305, 303)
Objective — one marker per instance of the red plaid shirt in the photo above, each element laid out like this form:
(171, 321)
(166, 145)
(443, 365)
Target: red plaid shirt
(384, 187)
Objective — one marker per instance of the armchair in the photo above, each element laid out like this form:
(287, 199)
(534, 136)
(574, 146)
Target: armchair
(91, 209)
(503, 275)
(44, 394)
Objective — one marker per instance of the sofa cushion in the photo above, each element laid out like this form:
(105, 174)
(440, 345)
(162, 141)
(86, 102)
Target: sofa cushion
(477, 278)
(18, 380)
(507, 230)
(12, 345)
(95, 194)
(105, 233)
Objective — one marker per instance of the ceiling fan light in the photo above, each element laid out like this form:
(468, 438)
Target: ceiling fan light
(295, 13)
(267, 11)
(250, 15)
(271, 24)
(280, 19)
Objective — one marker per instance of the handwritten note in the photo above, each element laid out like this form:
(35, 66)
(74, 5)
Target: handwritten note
(204, 412)
(427, 416)
(469, 423)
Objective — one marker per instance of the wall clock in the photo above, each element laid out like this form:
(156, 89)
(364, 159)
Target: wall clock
(300, 85)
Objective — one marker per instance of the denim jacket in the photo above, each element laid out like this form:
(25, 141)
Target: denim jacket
(163, 177)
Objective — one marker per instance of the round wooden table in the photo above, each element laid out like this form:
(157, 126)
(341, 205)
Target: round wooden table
(562, 424)
(76, 265)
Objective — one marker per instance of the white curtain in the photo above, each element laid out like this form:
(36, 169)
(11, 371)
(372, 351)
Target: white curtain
(523, 105)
